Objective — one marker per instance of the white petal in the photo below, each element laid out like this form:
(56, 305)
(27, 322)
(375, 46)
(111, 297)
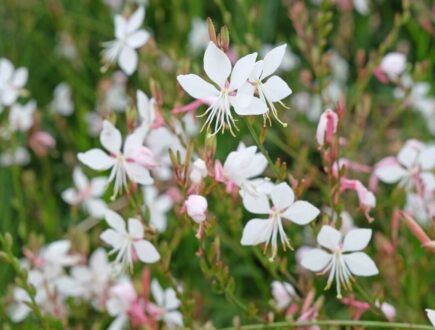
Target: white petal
(301, 212)
(408, 155)
(244, 96)
(157, 292)
(118, 323)
(6, 70)
(98, 186)
(146, 252)
(426, 159)
(110, 137)
(96, 159)
(197, 87)
(390, 173)
(256, 203)
(175, 318)
(315, 260)
(80, 179)
(115, 221)
(360, 264)
(431, 316)
(20, 77)
(133, 142)
(120, 26)
(329, 237)
(273, 60)
(70, 196)
(146, 112)
(136, 19)
(171, 300)
(275, 89)
(113, 238)
(135, 228)
(216, 64)
(357, 239)
(256, 231)
(138, 174)
(96, 207)
(256, 166)
(241, 71)
(282, 196)
(128, 60)
(138, 39)
(256, 107)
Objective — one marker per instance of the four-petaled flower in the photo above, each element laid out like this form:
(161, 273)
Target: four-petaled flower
(130, 243)
(259, 231)
(218, 68)
(166, 307)
(133, 162)
(341, 265)
(129, 37)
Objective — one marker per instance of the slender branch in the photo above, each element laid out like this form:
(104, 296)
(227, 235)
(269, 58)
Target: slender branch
(368, 324)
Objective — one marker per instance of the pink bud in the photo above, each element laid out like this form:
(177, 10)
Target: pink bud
(327, 127)
(40, 142)
(196, 207)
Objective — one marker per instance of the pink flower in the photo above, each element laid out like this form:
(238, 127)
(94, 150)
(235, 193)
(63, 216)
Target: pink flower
(366, 198)
(196, 207)
(327, 127)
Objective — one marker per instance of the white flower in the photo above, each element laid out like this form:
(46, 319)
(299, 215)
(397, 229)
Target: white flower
(414, 161)
(134, 161)
(431, 315)
(198, 171)
(129, 37)
(243, 165)
(259, 231)
(283, 293)
(87, 193)
(158, 206)
(341, 265)
(55, 256)
(393, 65)
(21, 116)
(11, 82)
(167, 303)
(19, 156)
(289, 61)
(62, 102)
(127, 243)
(120, 299)
(218, 68)
(198, 35)
(269, 92)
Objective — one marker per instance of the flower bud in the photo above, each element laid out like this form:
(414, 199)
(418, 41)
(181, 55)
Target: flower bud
(199, 171)
(327, 127)
(196, 207)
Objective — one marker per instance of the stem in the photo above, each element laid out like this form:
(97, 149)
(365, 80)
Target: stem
(351, 323)
(262, 148)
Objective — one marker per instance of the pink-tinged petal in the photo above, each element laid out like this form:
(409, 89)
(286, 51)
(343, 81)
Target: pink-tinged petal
(120, 27)
(241, 71)
(197, 87)
(135, 228)
(273, 60)
(80, 179)
(138, 39)
(329, 237)
(96, 159)
(138, 174)
(133, 142)
(315, 260)
(71, 197)
(256, 231)
(128, 60)
(356, 240)
(390, 173)
(360, 264)
(146, 252)
(217, 65)
(113, 238)
(282, 196)
(431, 316)
(135, 21)
(256, 203)
(301, 213)
(20, 77)
(256, 107)
(110, 138)
(275, 89)
(115, 221)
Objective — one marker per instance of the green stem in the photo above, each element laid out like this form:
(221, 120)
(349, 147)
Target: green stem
(350, 323)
